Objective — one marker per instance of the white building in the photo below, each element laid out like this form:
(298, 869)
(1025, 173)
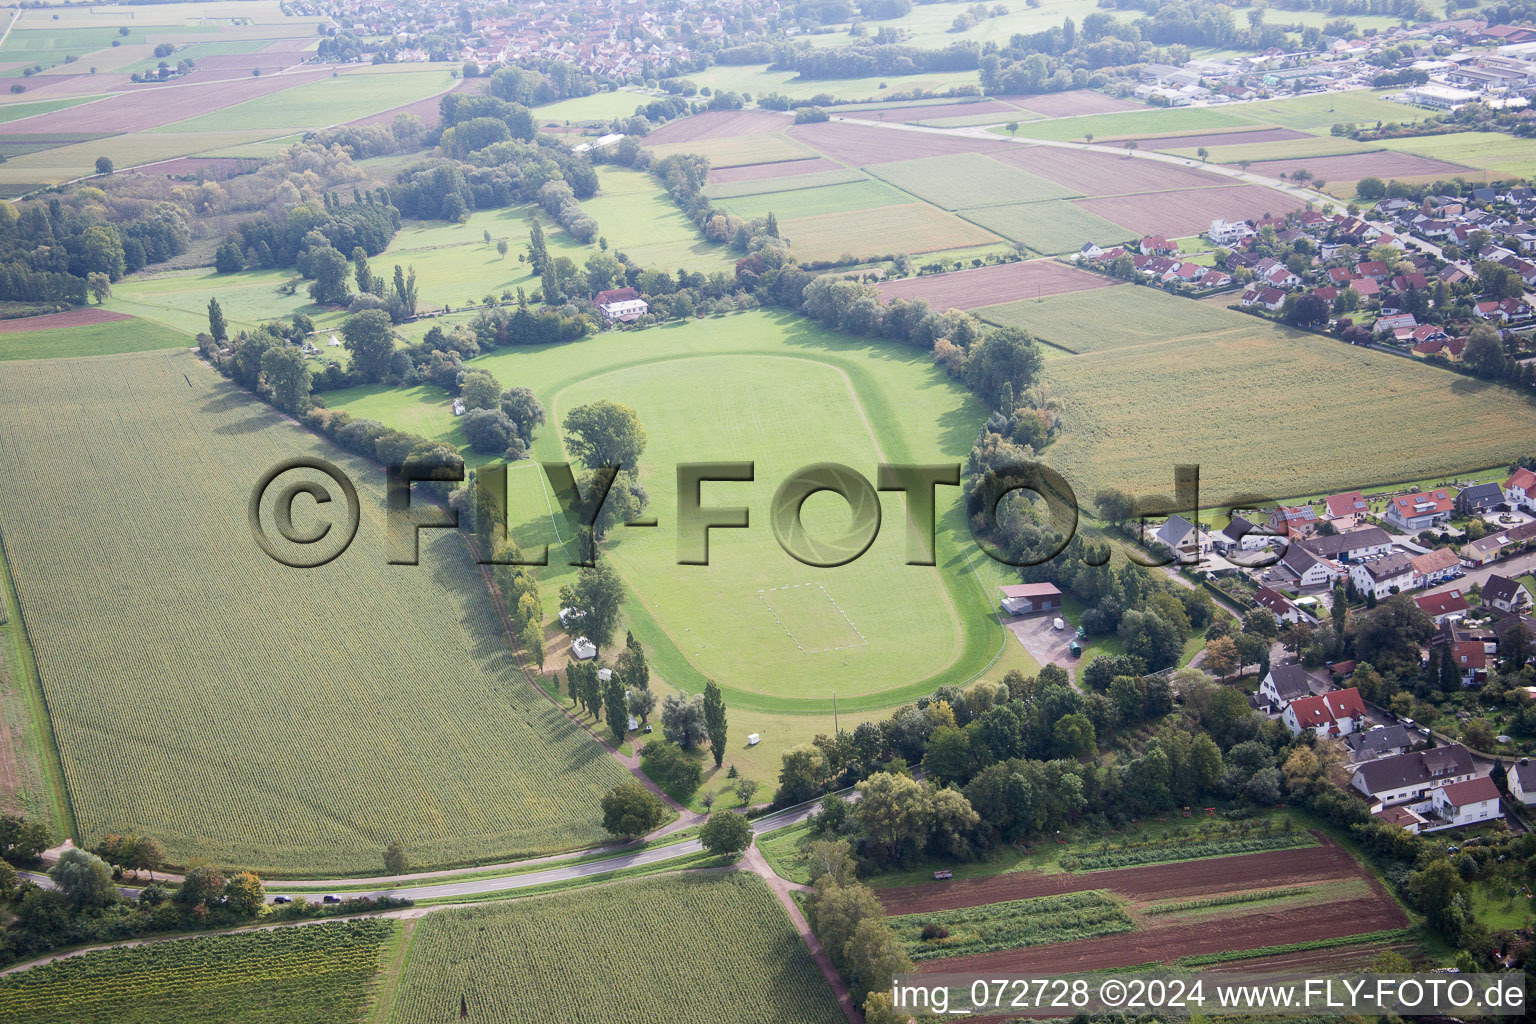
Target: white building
(1411, 778)
(1440, 97)
(1226, 232)
(1463, 803)
(1383, 575)
(1522, 782)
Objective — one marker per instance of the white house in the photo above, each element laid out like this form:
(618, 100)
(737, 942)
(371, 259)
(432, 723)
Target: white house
(1330, 715)
(1383, 575)
(1463, 803)
(1226, 232)
(1283, 608)
(1520, 490)
(1420, 511)
(1505, 594)
(1179, 536)
(1285, 683)
(1522, 782)
(1413, 776)
(583, 649)
(621, 304)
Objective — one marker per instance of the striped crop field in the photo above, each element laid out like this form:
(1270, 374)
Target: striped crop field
(315, 974)
(240, 710)
(677, 949)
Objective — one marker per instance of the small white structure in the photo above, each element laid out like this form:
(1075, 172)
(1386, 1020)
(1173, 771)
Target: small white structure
(334, 342)
(754, 739)
(583, 649)
(605, 674)
(570, 615)
(458, 407)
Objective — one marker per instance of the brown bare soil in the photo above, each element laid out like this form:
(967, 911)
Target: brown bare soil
(777, 169)
(1172, 942)
(1382, 164)
(987, 286)
(72, 318)
(427, 109)
(1068, 104)
(1107, 173)
(1192, 879)
(1189, 211)
(154, 105)
(718, 124)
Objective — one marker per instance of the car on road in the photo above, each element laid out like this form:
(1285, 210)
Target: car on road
(282, 899)
(331, 899)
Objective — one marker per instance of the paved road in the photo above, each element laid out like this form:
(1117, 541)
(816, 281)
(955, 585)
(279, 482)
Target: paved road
(1517, 566)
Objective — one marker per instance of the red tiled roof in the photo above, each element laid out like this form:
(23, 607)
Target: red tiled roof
(1522, 478)
(1473, 791)
(1442, 604)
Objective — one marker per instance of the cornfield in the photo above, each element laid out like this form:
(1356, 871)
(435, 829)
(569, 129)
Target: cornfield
(315, 974)
(677, 949)
(256, 715)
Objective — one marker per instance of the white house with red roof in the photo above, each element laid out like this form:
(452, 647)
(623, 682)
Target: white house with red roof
(1345, 506)
(1421, 510)
(1520, 490)
(1157, 245)
(1337, 713)
(1471, 659)
(1443, 605)
(1463, 803)
(1434, 567)
(621, 304)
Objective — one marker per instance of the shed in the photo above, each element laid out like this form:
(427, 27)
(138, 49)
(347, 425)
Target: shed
(1026, 598)
(583, 649)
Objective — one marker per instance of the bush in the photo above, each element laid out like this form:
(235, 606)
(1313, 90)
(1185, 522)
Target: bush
(932, 932)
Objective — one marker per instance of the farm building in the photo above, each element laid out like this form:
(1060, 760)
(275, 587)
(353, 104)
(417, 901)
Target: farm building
(1027, 598)
(583, 649)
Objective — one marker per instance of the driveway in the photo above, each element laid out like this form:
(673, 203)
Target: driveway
(1046, 645)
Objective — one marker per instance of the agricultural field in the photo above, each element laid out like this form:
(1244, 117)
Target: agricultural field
(88, 337)
(179, 299)
(282, 742)
(1108, 318)
(1133, 412)
(983, 286)
(1214, 906)
(1048, 228)
(811, 202)
(1501, 156)
(912, 228)
(638, 217)
(680, 943)
(967, 180)
(323, 101)
(738, 151)
(314, 974)
(725, 189)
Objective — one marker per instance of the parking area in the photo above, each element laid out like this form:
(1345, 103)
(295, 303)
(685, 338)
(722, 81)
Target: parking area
(1046, 644)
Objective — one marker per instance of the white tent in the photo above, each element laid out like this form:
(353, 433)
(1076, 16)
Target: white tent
(334, 342)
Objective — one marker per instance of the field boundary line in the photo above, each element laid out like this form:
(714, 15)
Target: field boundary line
(50, 757)
(389, 974)
(762, 595)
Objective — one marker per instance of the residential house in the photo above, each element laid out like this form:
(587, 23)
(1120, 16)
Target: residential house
(1332, 714)
(1287, 519)
(1506, 595)
(1520, 490)
(1501, 310)
(1230, 537)
(1413, 776)
(1310, 570)
(1434, 567)
(1479, 498)
(1383, 575)
(1471, 659)
(1226, 232)
(1421, 510)
(1383, 741)
(1179, 536)
(1283, 684)
(1463, 803)
(1270, 299)
(1493, 547)
(1522, 782)
(1027, 598)
(1345, 506)
(1443, 605)
(1394, 323)
(1157, 245)
(621, 304)
(1374, 269)
(1355, 544)
(1282, 607)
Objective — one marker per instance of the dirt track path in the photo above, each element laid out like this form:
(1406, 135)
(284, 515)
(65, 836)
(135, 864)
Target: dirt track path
(753, 861)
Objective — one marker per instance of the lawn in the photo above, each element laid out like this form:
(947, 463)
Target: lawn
(784, 183)
(1049, 228)
(239, 710)
(1131, 414)
(1111, 318)
(315, 974)
(773, 389)
(600, 106)
(859, 195)
(326, 101)
(963, 180)
(179, 299)
(677, 948)
(1500, 155)
(91, 340)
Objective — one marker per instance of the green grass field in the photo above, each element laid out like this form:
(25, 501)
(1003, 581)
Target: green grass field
(179, 299)
(639, 218)
(1502, 156)
(1049, 228)
(786, 183)
(61, 163)
(911, 228)
(314, 974)
(205, 694)
(1100, 319)
(675, 949)
(599, 107)
(778, 391)
(1287, 149)
(964, 180)
(757, 80)
(810, 202)
(1152, 121)
(90, 340)
(17, 111)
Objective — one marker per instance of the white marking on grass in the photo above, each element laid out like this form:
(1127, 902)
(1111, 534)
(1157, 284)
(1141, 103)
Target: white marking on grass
(763, 594)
